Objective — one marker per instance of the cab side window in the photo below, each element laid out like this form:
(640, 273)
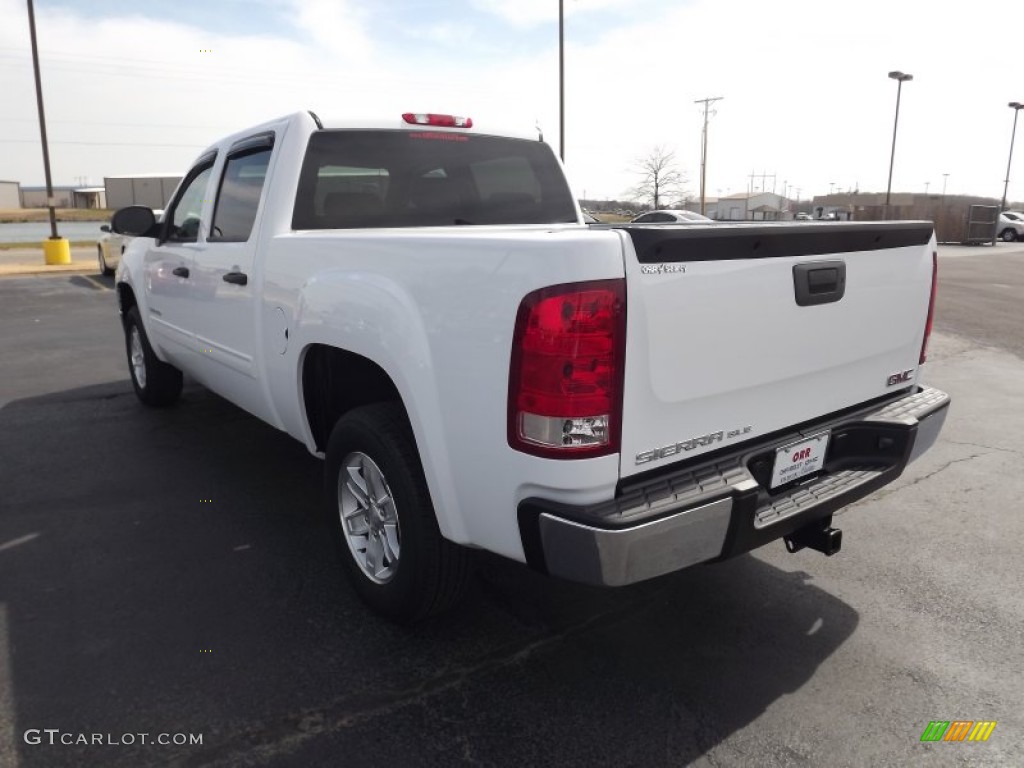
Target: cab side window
(239, 195)
(185, 216)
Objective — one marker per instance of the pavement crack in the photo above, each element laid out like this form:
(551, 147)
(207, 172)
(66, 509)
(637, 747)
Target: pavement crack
(943, 468)
(987, 447)
(888, 491)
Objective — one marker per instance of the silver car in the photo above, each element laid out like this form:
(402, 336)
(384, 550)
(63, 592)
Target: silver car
(669, 217)
(1011, 226)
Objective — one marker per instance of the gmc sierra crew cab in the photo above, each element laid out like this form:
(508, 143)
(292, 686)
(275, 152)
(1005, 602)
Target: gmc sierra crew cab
(420, 303)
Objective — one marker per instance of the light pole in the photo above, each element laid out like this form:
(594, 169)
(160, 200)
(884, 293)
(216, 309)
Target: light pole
(942, 201)
(561, 79)
(1016, 106)
(56, 250)
(900, 78)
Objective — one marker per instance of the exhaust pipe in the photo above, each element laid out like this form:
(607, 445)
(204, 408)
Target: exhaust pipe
(827, 540)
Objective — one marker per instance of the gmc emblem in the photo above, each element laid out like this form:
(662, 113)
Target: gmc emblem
(899, 378)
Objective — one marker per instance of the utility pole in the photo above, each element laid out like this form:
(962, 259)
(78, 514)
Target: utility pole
(707, 102)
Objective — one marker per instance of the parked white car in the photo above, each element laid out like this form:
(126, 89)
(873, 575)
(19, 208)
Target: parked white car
(1011, 226)
(110, 247)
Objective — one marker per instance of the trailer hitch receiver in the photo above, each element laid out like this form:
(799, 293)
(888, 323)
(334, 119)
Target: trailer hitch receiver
(817, 536)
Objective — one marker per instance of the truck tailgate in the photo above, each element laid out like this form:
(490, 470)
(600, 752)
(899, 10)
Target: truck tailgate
(736, 331)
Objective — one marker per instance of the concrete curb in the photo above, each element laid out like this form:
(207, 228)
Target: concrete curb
(25, 270)
(29, 261)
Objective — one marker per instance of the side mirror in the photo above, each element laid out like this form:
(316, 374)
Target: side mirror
(105, 228)
(135, 220)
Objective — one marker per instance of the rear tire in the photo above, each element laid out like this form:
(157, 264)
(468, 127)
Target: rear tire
(1008, 235)
(383, 521)
(156, 383)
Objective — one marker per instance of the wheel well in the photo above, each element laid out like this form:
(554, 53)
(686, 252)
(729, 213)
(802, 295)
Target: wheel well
(334, 382)
(125, 298)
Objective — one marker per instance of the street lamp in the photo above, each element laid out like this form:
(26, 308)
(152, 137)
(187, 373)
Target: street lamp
(942, 202)
(1016, 106)
(900, 78)
(561, 79)
(56, 249)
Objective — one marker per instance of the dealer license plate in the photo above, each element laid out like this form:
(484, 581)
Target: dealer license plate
(799, 459)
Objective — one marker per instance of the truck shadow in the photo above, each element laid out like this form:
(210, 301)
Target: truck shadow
(170, 572)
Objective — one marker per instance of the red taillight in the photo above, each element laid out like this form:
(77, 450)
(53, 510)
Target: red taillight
(442, 121)
(931, 307)
(565, 379)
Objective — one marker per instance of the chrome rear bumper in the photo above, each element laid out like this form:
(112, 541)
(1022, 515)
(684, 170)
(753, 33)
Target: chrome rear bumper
(721, 507)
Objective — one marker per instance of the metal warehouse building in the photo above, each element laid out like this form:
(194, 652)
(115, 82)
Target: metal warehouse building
(10, 195)
(153, 190)
(63, 197)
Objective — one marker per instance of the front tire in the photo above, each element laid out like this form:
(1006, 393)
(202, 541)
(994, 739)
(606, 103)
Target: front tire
(1008, 235)
(383, 521)
(105, 270)
(156, 383)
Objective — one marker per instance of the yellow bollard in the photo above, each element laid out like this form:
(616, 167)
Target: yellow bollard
(57, 250)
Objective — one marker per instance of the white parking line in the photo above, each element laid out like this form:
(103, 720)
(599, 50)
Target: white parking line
(20, 540)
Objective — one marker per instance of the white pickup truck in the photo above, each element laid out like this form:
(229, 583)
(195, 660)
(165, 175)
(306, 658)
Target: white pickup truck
(421, 304)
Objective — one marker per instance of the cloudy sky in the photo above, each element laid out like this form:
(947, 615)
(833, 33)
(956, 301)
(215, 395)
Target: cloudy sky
(137, 87)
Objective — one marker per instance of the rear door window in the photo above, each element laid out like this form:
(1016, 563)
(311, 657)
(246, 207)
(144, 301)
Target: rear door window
(358, 179)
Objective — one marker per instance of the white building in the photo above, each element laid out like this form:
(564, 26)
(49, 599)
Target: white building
(759, 206)
(10, 195)
(35, 197)
(153, 190)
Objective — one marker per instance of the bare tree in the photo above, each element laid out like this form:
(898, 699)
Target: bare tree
(659, 177)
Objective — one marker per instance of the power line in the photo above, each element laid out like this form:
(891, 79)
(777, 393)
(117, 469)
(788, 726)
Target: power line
(104, 143)
(150, 69)
(116, 123)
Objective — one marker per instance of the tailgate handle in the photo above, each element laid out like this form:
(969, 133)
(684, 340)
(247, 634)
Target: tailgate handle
(819, 282)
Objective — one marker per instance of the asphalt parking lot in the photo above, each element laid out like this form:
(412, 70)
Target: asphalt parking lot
(167, 572)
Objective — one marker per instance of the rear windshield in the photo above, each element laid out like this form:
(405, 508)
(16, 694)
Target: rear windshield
(428, 179)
